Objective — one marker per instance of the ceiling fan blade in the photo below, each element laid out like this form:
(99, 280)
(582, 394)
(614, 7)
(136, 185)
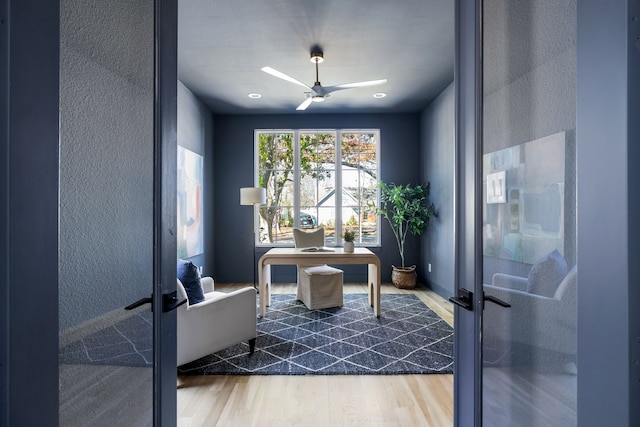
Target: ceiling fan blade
(283, 76)
(330, 89)
(305, 104)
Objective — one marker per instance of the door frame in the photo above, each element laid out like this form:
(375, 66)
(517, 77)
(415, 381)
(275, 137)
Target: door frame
(165, 166)
(467, 369)
(607, 134)
(29, 48)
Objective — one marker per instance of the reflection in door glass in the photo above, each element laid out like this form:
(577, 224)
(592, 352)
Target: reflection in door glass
(529, 213)
(106, 213)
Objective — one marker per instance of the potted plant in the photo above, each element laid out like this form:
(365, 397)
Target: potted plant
(408, 210)
(349, 236)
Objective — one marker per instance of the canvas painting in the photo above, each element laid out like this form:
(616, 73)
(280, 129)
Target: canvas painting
(190, 180)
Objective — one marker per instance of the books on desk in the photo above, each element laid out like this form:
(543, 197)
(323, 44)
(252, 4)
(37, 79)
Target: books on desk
(317, 249)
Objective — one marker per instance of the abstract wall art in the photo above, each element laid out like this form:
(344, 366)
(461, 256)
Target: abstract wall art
(190, 180)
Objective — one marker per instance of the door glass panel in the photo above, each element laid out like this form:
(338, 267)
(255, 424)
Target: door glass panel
(529, 213)
(106, 213)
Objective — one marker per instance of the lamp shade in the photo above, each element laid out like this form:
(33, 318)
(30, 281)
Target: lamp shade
(253, 196)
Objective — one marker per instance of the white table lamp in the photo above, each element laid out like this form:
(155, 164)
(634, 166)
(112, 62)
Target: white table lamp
(253, 196)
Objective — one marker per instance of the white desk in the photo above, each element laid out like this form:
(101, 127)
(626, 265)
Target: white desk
(288, 256)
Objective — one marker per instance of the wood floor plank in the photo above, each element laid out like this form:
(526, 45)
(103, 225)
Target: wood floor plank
(323, 400)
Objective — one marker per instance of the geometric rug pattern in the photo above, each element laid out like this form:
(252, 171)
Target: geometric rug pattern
(408, 338)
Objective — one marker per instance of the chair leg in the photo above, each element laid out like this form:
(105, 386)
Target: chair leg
(252, 345)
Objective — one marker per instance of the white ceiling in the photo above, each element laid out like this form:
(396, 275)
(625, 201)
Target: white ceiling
(223, 44)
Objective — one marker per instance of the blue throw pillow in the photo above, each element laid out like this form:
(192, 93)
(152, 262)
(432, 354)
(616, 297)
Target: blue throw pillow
(189, 275)
(547, 273)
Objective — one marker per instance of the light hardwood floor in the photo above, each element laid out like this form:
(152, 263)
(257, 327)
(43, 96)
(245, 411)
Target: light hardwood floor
(323, 400)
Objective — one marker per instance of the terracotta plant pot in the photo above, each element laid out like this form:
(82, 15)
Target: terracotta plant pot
(404, 278)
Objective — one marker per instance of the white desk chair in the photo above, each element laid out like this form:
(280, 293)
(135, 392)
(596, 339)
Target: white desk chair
(319, 286)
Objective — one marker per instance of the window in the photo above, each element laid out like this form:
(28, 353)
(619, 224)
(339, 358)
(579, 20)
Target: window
(314, 181)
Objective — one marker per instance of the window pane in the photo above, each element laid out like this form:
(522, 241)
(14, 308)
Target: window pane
(350, 186)
(275, 150)
(359, 150)
(359, 182)
(308, 191)
(318, 153)
(369, 204)
(276, 174)
(317, 186)
(276, 224)
(326, 219)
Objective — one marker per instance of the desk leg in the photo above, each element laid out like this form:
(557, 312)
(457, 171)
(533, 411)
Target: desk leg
(370, 276)
(373, 283)
(264, 280)
(268, 286)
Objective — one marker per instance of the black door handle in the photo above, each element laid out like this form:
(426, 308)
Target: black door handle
(141, 301)
(170, 301)
(495, 300)
(464, 299)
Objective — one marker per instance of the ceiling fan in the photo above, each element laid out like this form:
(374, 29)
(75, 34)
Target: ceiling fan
(318, 92)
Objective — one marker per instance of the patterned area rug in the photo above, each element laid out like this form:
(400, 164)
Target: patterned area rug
(408, 338)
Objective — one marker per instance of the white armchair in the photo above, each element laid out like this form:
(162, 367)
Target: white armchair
(220, 321)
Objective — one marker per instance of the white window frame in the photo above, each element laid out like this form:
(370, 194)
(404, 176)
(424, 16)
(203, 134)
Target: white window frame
(297, 178)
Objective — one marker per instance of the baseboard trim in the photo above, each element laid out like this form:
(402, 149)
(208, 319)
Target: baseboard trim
(444, 293)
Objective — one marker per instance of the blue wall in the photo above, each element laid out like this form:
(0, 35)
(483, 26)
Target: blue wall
(233, 162)
(437, 166)
(195, 128)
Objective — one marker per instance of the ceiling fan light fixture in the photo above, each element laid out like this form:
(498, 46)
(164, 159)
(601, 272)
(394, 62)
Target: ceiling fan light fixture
(316, 57)
(317, 92)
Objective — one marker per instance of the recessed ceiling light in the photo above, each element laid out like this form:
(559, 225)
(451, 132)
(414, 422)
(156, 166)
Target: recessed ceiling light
(255, 96)
(379, 95)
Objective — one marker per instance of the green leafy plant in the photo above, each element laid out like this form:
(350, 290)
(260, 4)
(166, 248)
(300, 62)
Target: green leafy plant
(352, 222)
(348, 235)
(407, 209)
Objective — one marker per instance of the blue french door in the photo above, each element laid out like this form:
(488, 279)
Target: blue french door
(117, 340)
(516, 214)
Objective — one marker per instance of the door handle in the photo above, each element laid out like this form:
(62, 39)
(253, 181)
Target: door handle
(141, 301)
(170, 301)
(464, 299)
(495, 300)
